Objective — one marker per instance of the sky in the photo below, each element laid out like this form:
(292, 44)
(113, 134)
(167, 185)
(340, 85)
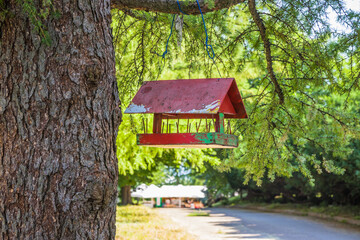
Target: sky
(353, 4)
(350, 4)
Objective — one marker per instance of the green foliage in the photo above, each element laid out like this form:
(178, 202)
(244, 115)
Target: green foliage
(216, 183)
(229, 202)
(316, 67)
(3, 11)
(235, 178)
(210, 3)
(327, 188)
(36, 17)
(37, 14)
(185, 174)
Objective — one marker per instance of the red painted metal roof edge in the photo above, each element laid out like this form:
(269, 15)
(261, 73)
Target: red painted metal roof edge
(189, 79)
(233, 82)
(243, 105)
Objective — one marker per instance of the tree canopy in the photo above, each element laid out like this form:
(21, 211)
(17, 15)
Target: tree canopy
(298, 74)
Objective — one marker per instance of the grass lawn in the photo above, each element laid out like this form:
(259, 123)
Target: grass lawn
(139, 222)
(199, 214)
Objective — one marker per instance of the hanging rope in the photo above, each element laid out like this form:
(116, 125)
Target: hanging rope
(178, 3)
(167, 42)
(207, 38)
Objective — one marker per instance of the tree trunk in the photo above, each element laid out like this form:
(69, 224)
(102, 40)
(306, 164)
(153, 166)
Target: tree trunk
(58, 120)
(126, 195)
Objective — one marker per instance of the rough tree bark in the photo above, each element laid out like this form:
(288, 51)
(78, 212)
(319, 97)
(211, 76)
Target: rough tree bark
(58, 120)
(267, 48)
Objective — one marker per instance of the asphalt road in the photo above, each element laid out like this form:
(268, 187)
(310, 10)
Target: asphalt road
(251, 225)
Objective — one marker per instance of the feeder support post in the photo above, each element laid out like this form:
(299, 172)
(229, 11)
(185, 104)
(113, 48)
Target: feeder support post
(157, 123)
(219, 124)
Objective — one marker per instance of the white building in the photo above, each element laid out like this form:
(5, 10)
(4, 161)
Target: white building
(171, 195)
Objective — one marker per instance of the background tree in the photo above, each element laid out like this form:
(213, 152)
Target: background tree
(287, 58)
(327, 188)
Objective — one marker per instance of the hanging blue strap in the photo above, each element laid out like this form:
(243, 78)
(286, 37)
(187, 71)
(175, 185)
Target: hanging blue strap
(178, 3)
(167, 42)
(206, 40)
(208, 46)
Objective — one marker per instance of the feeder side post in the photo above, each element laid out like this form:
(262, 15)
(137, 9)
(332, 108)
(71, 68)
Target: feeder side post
(219, 124)
(157, 123)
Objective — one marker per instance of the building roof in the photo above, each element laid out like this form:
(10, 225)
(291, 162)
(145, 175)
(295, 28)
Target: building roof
(193, 96)
(169, 191)
(151, 191)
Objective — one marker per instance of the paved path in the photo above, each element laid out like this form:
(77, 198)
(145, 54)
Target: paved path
(251, 225)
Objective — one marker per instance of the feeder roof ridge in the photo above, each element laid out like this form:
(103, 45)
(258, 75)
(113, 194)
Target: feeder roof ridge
(189, 96)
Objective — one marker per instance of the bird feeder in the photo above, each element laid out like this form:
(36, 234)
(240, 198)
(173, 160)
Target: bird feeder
(208, 100)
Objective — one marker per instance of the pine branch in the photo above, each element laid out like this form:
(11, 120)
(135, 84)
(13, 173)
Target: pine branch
(171, 6)
(260, 24)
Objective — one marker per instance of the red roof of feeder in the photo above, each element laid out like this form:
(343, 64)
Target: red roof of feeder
(194, 96)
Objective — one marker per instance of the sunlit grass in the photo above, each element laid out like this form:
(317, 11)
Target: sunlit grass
(139, 222)
(199, 214)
